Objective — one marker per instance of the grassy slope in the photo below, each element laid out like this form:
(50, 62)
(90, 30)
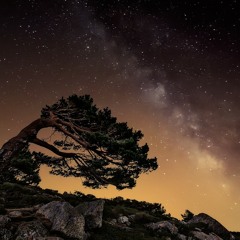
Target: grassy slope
(18, 196)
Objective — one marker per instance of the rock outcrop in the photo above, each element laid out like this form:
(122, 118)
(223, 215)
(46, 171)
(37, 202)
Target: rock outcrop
(92, 212)
(26, 213)
(64, 219)
(212, 225)
(54, 220)
(203, 236)
(163, 226)
(123, 220)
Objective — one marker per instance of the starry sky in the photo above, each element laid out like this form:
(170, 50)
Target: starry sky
(170, 68)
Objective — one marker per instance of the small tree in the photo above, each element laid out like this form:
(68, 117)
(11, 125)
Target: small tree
(24, 169)
(90, 144)
(188, 215)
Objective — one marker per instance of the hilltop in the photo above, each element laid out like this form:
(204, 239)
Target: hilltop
(33, 213)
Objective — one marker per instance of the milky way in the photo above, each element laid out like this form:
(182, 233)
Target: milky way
(170, 69)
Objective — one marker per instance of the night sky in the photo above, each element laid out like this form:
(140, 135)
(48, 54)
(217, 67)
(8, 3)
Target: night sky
(169, 68)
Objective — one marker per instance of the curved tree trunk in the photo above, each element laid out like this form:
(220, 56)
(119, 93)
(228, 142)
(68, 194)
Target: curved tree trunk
(12, 147)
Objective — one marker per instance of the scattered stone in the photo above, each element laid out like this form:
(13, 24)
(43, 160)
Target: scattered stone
(58, 220)
(113, 221)
(123, 220)
(163, 225)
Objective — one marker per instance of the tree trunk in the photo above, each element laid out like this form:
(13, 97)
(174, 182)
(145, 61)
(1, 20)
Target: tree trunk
(12, 147)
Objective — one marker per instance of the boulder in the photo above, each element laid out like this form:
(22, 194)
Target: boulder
(64, 219)
(181, 237)
(162, 226)
(203, 236)
(4, 220)
(123, 220)
(113, 221)
(215, 236)
(92, 212)
(212, 224)
(31, 230)
(5, 233)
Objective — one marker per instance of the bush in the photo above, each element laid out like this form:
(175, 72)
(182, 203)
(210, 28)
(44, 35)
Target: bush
(117, 211)
(185, 229)
(155, 209)
(24, 169)
(188, 215)
(7, 186)
(109, 232)
(15, 187)
(143, 218)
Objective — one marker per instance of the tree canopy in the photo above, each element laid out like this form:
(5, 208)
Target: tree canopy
(88, 143)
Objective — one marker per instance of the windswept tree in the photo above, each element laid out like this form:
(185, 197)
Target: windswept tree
(87, 143)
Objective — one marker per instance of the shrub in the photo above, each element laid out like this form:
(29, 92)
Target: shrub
(109, 232)
(188, 215)
(143, 218)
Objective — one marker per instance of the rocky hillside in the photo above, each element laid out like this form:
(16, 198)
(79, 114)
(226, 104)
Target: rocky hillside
(32, 213)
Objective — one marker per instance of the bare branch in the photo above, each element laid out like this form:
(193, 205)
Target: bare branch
(52, 148)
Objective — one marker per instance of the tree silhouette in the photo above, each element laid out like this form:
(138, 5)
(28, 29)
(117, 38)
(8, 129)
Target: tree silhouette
(188, 215)
(24, 169)
(88, 143)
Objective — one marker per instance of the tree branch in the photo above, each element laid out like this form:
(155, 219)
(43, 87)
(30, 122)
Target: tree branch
(73, 126)
(52, 148)
(61, 129)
